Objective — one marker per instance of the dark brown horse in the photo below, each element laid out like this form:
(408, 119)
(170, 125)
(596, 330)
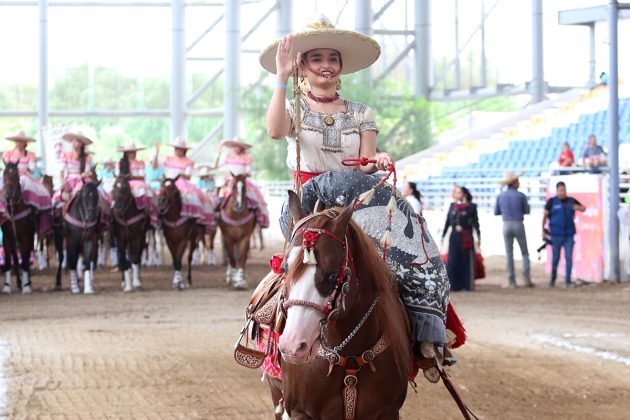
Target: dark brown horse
(18, 232)
(54, 238)
(129, 230)
(82, 220)
(345, 346)
(237, 222)
(180, 232)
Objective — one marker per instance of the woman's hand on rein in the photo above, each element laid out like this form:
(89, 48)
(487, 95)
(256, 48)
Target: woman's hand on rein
(284, 58)
(383, 161)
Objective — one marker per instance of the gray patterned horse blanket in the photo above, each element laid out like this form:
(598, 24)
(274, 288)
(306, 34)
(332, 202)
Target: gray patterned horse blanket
(414, 257)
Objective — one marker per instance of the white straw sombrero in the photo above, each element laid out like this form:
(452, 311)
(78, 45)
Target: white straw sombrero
(76, 136)
(236, 142)
(21, 136)
(357, 51)
(180, 143)
(130, 147)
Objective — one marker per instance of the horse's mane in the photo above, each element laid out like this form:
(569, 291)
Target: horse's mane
(390, 314)
(123, 165)
(82, 158)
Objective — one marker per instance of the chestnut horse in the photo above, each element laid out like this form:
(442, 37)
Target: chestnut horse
(180, 232)
(237, 222)
(345, 346)
(18, 231)
(129, 228)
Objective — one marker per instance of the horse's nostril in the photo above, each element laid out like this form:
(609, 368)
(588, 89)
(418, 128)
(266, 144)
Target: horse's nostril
(302, 347)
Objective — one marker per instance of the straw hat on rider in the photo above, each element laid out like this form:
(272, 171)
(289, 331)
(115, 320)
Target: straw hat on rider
(21, 136)
(236, 143)
(129, 147)
(357, 50)
(180, 143)
(70, 137)
(510, 178)
(108, 161)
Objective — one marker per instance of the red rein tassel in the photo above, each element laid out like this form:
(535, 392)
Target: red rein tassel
(455, 324)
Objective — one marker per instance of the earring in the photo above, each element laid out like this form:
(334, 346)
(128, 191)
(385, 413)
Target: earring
(338, 87)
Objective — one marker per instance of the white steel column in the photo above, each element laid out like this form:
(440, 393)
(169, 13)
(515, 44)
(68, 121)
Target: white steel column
(422, 46)
(178, 70)
(232, 67)
(537, 87)
(42, 88)
(284, 18)
(613, 140)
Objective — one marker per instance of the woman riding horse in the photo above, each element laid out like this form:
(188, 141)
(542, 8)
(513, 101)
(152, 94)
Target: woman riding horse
(34, 193)
(238, 162)
(133, 209)
(332, 130)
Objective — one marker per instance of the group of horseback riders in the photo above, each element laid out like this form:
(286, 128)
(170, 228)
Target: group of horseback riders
(199, 202)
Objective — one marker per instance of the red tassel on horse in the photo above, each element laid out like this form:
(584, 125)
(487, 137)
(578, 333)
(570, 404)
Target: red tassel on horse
(455, 324)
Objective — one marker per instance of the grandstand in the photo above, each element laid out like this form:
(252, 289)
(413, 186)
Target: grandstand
(528, 141)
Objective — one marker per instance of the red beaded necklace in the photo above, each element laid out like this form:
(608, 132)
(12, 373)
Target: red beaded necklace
(323, 99)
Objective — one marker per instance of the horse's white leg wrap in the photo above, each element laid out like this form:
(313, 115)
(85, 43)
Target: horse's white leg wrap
(74, 282)
(7, 283)
(101, 257)
(87, 282)
(80, 264)
(65, 259)
(228, 274)
(195, 257)
(26, 284)
(135, 269)
(212, 258)
(177, 279)
(41, 260)
(239, 281)
(113, 257)
(127, 281)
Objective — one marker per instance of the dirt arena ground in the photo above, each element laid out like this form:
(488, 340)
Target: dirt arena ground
(532, 353)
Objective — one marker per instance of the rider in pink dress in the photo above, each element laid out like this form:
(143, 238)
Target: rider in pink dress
(33, 192)
(238, 162)
(145, 199)
(194, 202)
(72, 172)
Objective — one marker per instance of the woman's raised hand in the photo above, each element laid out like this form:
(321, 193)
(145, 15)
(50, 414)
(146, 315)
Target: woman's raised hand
(284, 58)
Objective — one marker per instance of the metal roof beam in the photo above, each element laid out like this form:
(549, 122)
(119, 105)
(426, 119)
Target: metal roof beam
(588, 15)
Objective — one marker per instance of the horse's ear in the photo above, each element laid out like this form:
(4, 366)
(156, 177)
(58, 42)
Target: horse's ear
(319, 206)
(176, 178)
(344, 217)
(295, 206)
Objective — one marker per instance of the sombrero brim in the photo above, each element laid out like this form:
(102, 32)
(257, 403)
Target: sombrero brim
(357, 51)
(21, 138)
(236, 143)
(73, 136)
(126, 149)
(180, 146)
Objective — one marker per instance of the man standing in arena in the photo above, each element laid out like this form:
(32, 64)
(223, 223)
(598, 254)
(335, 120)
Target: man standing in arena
(512, 205)
(560, 212)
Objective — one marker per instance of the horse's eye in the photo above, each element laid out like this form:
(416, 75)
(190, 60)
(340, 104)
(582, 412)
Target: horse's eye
(330, 278)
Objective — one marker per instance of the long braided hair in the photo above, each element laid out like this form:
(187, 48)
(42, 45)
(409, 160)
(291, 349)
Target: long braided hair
(82, 158)
(123, 165)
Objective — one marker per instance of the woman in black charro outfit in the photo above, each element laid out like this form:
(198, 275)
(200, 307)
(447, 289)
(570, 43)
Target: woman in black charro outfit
(463, 221)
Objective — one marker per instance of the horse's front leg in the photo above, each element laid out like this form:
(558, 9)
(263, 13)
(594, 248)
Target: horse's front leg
(6, 266)
(90, 247)
(58, 237)
(242, 250)
(26, 249)
(72, 256)
(137, 248)
(123, 263)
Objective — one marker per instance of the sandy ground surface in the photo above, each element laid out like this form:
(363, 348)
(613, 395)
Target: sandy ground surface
(532, 353)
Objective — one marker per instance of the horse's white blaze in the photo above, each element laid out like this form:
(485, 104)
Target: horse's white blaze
(239, 194)
(302, 327)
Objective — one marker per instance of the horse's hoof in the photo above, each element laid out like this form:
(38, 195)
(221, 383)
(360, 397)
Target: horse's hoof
(26, 290)
(58, 288)
(87, 291)
(241, 285)
(75, 290)
(137, 285)
(128, 289)
(181, 286)
(6, 290)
